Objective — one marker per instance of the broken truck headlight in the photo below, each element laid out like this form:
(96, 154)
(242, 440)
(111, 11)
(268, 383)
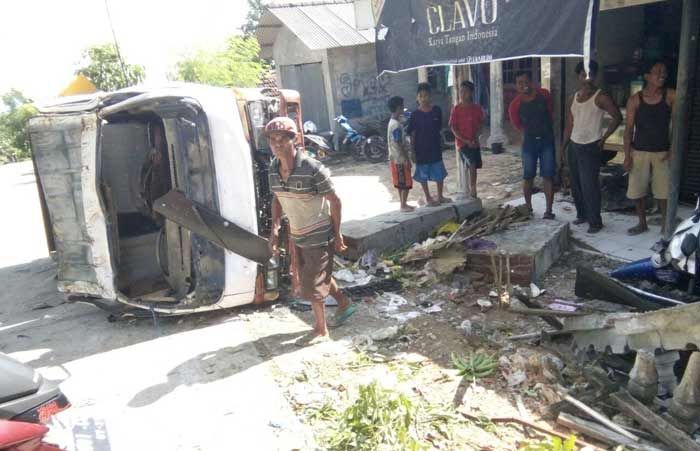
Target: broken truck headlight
(272, 274)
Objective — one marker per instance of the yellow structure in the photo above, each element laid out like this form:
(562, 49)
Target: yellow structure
(80, 85)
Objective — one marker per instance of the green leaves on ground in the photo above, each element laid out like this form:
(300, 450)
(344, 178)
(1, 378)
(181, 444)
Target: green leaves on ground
(238, 65)
(101, 64)
(476, 365)
(379, 419)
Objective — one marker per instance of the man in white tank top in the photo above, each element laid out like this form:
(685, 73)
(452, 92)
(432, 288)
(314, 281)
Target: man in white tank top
(586, 136)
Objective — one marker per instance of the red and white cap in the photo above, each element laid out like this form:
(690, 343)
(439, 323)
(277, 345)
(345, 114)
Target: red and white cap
(281, 124)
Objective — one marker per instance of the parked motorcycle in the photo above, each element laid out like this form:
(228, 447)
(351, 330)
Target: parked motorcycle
(318, 146)
(349, 140)
(25, 396)
(20, 436)
(675, 263)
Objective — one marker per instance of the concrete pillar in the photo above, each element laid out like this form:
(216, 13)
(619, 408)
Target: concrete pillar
(497, 139)
(461, 73)
(422, 75)
(546, 73)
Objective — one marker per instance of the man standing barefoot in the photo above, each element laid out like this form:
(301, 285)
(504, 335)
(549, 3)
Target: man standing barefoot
(303, 191)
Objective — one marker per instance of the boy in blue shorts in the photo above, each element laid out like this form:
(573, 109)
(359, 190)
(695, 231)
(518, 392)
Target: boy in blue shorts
(424, 129)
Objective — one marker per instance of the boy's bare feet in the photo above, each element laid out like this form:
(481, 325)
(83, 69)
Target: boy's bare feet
(407, 208)
(445, 200)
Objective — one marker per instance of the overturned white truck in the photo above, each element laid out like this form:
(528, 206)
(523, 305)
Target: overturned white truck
(158, 198)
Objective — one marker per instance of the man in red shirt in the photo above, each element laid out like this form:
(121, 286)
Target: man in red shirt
(465, 121)
(531, 112)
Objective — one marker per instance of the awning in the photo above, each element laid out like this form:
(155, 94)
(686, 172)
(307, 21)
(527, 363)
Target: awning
(417, 33)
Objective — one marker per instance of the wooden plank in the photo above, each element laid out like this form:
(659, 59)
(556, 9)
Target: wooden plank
(545, 312)
(661, 428)
(601, 433)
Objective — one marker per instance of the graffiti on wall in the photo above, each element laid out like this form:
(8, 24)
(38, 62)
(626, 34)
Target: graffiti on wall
(363, 94)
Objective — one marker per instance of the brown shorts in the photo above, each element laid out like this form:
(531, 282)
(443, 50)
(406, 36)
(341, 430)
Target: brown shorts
(315, 272)
(648, 167)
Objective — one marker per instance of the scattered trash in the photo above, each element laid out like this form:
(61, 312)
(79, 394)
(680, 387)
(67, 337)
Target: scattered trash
(384, 333)
(390, 302)
(484, 303)
(535, 291)
(446, 260)
(447, 228)
(433, 308)
(299, 305)
(369, 260)
(561, 307)
(361, 343)
(466, 327)
(493, 294)
(479, 244)
(405, 316)
(344, 275)
(516, 378)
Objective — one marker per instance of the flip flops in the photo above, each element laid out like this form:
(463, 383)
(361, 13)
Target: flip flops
(340, 319)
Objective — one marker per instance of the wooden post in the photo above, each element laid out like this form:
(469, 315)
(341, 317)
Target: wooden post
(690, 20)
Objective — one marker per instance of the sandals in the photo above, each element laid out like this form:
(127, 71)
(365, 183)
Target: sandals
(340, 319)
(548, 215)
(637, 230)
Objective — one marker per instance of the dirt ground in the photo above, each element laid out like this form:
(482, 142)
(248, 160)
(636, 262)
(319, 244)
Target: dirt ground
(413, 357)
(416, 359)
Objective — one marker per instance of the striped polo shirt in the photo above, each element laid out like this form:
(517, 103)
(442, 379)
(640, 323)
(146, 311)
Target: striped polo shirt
(303, 201)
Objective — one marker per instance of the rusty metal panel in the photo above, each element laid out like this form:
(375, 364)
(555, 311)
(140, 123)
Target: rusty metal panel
(65, 150)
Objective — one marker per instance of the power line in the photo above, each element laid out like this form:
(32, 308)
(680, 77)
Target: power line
(116, 43)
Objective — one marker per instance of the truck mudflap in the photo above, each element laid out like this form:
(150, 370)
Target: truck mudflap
(211, 226)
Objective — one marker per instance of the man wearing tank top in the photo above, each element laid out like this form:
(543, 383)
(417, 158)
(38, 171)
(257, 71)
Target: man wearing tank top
(586, 136)
(647, 143)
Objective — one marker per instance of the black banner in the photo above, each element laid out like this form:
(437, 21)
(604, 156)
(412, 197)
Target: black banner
(415, 33)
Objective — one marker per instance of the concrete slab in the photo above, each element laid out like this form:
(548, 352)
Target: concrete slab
(613, 240)
(394, 229)
(533, 247)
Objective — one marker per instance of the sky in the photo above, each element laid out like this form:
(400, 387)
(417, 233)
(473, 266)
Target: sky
(41, 41)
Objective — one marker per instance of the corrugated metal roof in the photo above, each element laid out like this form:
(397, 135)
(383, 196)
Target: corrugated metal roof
(318, 26)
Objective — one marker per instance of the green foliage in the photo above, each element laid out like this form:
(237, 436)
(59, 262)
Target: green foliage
(476, 365)
(239, 64)
(379, 419)
(556, 444)
(14, 137)
(102, 66)
(255, 11)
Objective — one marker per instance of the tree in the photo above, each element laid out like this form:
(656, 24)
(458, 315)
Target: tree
(255, 11)
(239, 64)
(102, 66)
(14, 137)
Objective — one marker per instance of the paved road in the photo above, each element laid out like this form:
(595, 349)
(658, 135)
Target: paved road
(195, 383)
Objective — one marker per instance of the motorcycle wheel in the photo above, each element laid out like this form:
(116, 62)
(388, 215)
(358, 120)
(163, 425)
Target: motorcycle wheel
(321, 154)
(376, 150)
(358, 152)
